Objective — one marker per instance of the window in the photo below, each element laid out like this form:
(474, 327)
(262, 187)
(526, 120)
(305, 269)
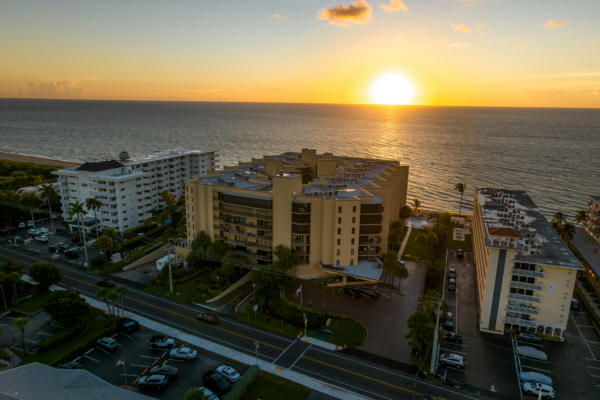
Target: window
(337, 263)
(351, 252)
(339, 220)
(352, 261)
(352, 241)
(353, 231)
(338, 252)
(353, 220)
(340, 231)
(340, 209)
(339, 241)
(353, 209)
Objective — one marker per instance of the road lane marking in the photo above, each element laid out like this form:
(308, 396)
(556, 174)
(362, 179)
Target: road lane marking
(139, 365)
(154, 358)
(91, 358)
(299, 357)
(102, 350)
(283, 352)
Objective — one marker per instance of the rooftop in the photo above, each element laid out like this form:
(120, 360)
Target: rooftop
(164, 154)
(38, 381)
(512, 220)
(97, 166)
(365, 269)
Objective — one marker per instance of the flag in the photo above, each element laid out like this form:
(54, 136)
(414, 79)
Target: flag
(299, 290)
(120, 362)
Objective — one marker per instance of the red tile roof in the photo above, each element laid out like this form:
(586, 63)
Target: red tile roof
(499, 231)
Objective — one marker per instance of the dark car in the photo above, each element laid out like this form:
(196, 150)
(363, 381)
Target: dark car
(153, 382)
(105, 283)
(166, 370)
(452, 337)
(449, 323)
(451, 272)
(459, 253)
(128, 325)
(216, 382)
(73, 252)
(529, 337)
(52, 249)
(574, 305)
(369, 292)
(452, 285)
(350, 292)
(62, 246)
(208, 317)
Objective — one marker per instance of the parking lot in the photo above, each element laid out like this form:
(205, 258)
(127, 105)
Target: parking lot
(134, 357)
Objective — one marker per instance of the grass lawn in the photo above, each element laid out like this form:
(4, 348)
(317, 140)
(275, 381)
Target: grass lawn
(33, 304)
(273, 387)
(187, 292)
(347, 331)
(98, 326)
(264, 321)
(414, 250)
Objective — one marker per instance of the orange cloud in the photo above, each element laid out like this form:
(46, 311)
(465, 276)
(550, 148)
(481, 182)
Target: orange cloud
(358, 12)
(461, 28)
(593, 41)
(551, 24)
(521, 46)
(278, 16)
(395, 5)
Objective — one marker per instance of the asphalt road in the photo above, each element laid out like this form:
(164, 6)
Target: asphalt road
(365, 378)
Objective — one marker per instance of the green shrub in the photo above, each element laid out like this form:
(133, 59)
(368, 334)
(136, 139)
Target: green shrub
(292, 313)
(61, 336)
(240, 388)
(97, 261)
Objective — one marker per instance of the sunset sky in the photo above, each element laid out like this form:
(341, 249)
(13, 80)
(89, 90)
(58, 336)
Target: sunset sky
(454, 52)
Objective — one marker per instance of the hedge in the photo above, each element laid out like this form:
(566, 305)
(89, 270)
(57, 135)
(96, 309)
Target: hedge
(240, 388)
(61, 336)
(133, 242)
(292, 313)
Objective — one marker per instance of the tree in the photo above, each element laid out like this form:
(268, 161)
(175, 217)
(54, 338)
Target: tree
(392, 266)
(230, 261)
(168, 198)
(50, 195)
(567, 231)
(421, 328)
(76, 208)
(121, 290)
(416, 205)
(460, 188)
(20, 324)
(195, 394)
(45, 274)
(581, 217)
(558, 219)
(422, 239)
(93, 204)
(107, 244)
(104, 294)
(66, 307)
(405, 213)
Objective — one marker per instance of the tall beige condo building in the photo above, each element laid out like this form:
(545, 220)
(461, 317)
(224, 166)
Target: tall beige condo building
(334, 212)
(525, 272)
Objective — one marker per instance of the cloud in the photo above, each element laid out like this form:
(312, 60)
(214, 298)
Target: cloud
(58, 89)
(593, 42)
(358, 12)
(459, 44)
(461, 28)
(278, 16)
(395, 5)
(482, 28)
(551, 24)
(521, 46)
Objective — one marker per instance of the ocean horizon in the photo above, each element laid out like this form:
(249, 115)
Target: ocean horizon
(550, 152)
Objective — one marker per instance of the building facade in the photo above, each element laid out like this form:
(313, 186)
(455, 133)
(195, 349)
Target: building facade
(333, 212)
(592, 223)
(130, 189)
(525, 272)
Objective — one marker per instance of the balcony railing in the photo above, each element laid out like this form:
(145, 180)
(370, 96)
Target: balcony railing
(523, 310)
(528, 273)
(525, 297)
(525, 285)
(520, 321)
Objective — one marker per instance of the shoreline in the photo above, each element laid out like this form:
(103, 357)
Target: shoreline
(37, 160)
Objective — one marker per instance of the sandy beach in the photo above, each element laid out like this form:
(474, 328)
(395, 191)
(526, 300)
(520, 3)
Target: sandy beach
(36, 160)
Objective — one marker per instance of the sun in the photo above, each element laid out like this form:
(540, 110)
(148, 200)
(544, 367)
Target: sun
(392, 89)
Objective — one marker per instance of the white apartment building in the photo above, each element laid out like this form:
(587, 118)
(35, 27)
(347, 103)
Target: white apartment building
(130, 189)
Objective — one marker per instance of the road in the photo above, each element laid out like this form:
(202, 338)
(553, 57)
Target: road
(365, 378)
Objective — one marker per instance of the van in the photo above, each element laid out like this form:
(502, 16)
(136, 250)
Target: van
(535, 377)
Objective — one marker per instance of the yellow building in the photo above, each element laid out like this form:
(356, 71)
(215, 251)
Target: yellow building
(525, 272)
(334, 212)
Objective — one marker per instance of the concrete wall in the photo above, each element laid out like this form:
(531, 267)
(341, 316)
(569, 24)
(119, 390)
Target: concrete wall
(558, 285)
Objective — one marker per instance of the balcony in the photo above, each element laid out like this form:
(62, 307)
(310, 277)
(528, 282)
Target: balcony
(520, 321)
(528, 273)
(525, 297)
(527, 286)
(523, 309)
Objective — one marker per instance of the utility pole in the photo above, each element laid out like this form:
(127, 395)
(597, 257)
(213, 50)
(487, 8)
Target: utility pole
(170, 260)
(256, 346)
(435, 348)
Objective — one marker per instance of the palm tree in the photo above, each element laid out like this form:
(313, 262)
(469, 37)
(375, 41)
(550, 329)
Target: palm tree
(49, 194)
(581, 217)
(558, 220)
(567, 231)
(113, 297)
(93, 204)
(77, 208)
(416, 205)
(121, 291)
(104, 294)
(460, 188)
(20, 325)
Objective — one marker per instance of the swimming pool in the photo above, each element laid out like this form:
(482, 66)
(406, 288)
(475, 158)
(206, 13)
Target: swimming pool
(420, 223)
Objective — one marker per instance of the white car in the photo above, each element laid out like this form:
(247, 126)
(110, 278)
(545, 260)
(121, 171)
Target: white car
(21, 225)
(32, 231)
(43, 230)
(183, 353)
(208, 394)
(107, 343)
(534, 389)
(30, 223)
(453, 360)
(41, 238)
(229, 373)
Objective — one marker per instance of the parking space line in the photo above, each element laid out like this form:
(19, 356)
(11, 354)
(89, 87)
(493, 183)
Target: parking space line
(452, 351)
(583, 337)
(137, 376)
(139, 365)
(537, 369)
(155, 361)
(90, 350)
(164, 354)
(299, 357)
(104, 351)
(126, 335)
(77, 359)
(164, 363)
(91, 358)
(175, 360)
(154, 358)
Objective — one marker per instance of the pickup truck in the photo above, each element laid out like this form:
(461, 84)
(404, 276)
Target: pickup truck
(162, 342)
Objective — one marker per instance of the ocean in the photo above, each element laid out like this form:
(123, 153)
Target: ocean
(554, 154)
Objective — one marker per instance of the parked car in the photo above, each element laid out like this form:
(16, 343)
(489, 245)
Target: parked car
(534, 389)
(62, 246)
(350, 292)
(128, 325)
(208, 317)
(449, 323)
(52, 248)
(162, 342)
(528, 351)
(535, 377)
(208, 394)
(43, 230)
(452, 337)
(183, 353)
(369, 292)
(42, 238)
(166, 370)
(18, 239)
(29, 223)
(459, 253)
(229, 373)
(73, 252)
(451, 272)
(158, 382)
(32, 231)
(105, 283)
(22, 225)
(453, 360)
(452, 285)
(529, 337)
(107, 343)
(574, 305)
(216, 382)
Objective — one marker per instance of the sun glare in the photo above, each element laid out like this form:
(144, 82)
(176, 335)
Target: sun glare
(392, 89)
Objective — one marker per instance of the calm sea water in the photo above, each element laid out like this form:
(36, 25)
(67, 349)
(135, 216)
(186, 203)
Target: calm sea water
(552, 153)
